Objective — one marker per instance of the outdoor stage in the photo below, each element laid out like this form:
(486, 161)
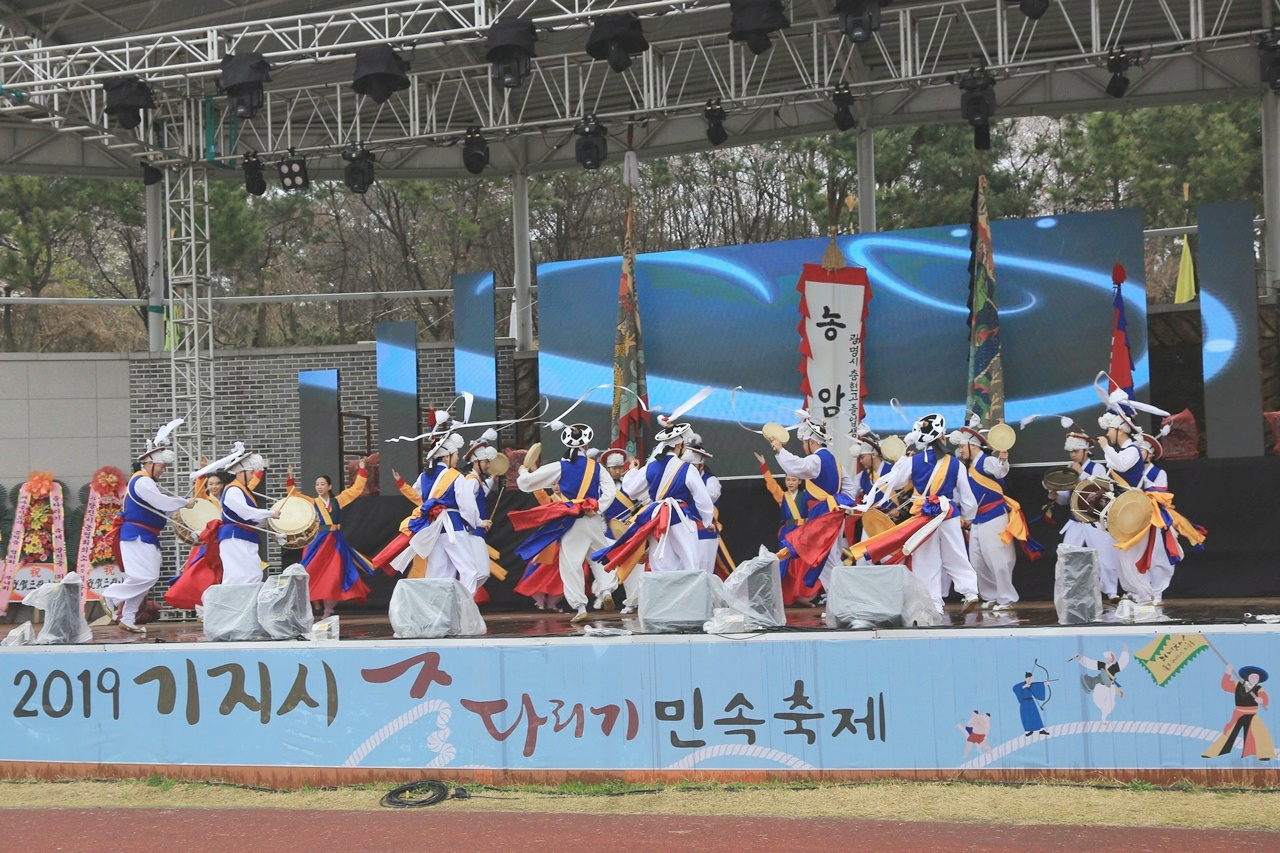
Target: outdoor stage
(539, 700)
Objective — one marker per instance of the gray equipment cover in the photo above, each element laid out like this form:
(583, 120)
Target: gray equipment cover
(678, 601)
(64, 624)
(878, 597)
(231, 612)
(429, 608)
(1076, 591)
(284, 604)
(754, 589)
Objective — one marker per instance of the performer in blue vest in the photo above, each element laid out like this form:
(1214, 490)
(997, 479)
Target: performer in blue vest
(242, 521)
(146, 510)
(871, 467)
(1082, 534)
(1124, 463)
(991, 556)
(441, 528)
(617, 517)
(709, 535)
(481, 452)
(573, 521)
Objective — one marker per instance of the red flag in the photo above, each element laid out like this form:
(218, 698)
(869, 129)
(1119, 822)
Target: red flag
(1121, 367)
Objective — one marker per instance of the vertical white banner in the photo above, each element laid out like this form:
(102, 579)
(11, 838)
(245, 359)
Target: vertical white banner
(832, 332)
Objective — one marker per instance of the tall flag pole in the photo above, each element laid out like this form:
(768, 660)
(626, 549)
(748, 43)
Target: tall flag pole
(1121, 365)
(986, 369)
(629, 412)
(1186, 290)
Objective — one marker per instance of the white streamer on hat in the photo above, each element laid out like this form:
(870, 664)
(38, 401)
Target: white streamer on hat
(237, 451)
(557, 423)
(686, 406)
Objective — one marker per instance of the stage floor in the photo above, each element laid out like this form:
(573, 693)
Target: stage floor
(374, 626)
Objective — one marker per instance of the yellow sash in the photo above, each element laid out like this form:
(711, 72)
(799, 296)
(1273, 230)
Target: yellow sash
(1017, 526)
(666, 484)
(796, 517)
(326, 517)
(587, 476)
(443, 482)
(936, 479)
(820, 495)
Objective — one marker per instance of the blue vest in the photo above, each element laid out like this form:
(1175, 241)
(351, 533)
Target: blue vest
(449, 500)
(1151, 473)
(1094, 469)
(653, 475)
(983, 495)
(571, 474)
(866, 480)
(233, 526)
(480, 503)
(922, 465)
(136, 513)
(621, 505)
(1134, 475)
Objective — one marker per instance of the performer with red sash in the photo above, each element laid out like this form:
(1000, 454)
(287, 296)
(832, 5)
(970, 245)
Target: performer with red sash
(933, 538)
(871, 467)
(795, 510)
(715, 557)
(1163, 549)
(446, 447)
(617, 516)
(572, 520)
(242, 520)
(1082, 534)
(998, 521)
(478, 456)
(333, 565)
(137, 532)
(679, 505)
(203, 568)
(829, 494)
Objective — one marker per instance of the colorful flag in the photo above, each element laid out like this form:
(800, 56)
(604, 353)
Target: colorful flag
(1121, 366)
(628, 354)
(986, 369)
(1165, 656)
(1186, 275)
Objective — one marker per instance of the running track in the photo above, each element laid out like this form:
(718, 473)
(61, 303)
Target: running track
(138, 830)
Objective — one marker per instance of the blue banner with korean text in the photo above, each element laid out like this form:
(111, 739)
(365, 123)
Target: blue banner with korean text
(1176, 697)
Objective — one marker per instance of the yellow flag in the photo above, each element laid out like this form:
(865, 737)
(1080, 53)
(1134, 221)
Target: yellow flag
(1186, 275)
(1166, 655)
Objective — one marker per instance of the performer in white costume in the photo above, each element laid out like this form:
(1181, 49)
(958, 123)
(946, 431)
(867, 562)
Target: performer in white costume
(992, 558)
(1082, 534)
(242, 521)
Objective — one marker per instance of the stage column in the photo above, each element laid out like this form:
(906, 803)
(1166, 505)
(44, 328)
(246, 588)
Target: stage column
(523, 261)
(155, 267)
(1271, 186)
(866, 179)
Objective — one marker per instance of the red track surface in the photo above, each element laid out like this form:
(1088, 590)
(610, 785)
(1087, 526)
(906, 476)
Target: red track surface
(200, 830)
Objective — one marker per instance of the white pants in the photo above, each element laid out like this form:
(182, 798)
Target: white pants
(835, 557)
(1087, 536)
(1135, 582)
(241, 562)
(1161, 572)
(707, 550)
(141, 571)
(586, 535)
(677, 550)
(477, 572)
(993, 560)
(941, 559)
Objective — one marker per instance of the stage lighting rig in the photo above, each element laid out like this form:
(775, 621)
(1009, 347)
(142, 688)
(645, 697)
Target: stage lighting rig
(859, 19)
(254, 181)
(380, 73)
(617, 38)
(1269, 57)
(751, 21)
(293, 173)
(509, 49)
(842, 97)
(358, 176)
(715, 116)
(1118, 64)
(1033, 9)
(151, 175)
(242, 77)
(592, 147)
(978, 105)
(127, 97)
(475, 151)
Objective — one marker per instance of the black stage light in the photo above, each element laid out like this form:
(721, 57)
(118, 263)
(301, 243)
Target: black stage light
(509, 49)
(592, 148)
(752, 21)
(842, 97)
(617, 38)
(254, 181)
(242, 77)
(1033, 9)
(358, 176)
(151, 175)
(1118, 64)
(1269, 57)
(475, 151)
(978, 105)
(127, 97)
(293, 173)
(715, 116)
(859, 19)
(380, 73)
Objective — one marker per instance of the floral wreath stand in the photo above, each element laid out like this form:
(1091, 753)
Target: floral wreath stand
(38, 547)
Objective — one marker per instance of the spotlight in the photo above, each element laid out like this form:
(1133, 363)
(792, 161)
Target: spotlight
(842, 97)
(1033, 9)
(592, 148)
(358, 176)
(859, 19)
(254, 182)
(715, 116)
(242, 77)
(1269, 57)
(293, 173)
(475, 151)
(617, 38)
(509, 48)
(151, 175)
(127, 97)
(752, 21)
(380, 73)
(978, 105)
(1118, 64)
